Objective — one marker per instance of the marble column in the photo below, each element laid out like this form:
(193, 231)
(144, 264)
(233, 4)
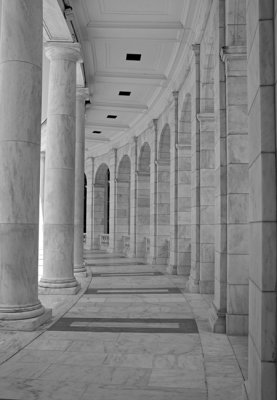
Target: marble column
(217, 312)
(81, 95)
(207, 208)
(113, 194)
(153, 194)
(89, 168)
(42, 179)
(193, 282)
(133, 198)
(20, 118)
(174, 191)
(58, 274)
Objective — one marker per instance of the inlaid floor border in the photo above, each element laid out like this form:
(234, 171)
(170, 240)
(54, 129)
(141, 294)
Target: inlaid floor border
(141, 325)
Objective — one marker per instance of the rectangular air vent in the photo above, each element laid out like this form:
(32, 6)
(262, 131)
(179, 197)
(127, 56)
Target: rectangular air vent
(133, 57)
(97, 132)
(112, 116)
(123, 93)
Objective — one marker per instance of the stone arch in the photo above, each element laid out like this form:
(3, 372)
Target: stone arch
(101, 204)
(164, 145)
(123, 203)
(163, 198)
(143, 201)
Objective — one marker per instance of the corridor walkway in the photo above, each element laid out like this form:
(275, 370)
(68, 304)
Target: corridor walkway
(135, 334)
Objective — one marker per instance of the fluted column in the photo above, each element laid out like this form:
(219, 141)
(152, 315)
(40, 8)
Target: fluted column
(58, 274)
(20, 117)
(81, 96)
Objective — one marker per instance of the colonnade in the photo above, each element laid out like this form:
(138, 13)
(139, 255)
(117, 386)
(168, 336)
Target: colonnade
(195, 191)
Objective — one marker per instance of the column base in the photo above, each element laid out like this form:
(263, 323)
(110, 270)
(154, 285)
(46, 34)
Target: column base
(26, 324)
(171, 269)
(193, 285)
(245, 391)
(55, 286)
(217, 320)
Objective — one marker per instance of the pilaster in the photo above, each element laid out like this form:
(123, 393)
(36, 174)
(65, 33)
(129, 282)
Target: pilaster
(193, 283)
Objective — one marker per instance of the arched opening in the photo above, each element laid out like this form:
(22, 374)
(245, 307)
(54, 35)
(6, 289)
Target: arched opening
(123, 205)
(101, 207)
(184, 189)
(163, 198)
(143, 202)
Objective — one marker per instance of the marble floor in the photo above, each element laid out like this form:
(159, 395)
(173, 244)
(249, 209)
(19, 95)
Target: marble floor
(132, 333)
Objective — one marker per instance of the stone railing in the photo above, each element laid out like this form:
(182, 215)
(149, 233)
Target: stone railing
(104, 241)
(125, 245)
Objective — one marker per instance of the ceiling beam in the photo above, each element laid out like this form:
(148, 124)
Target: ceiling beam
(113, 127)
(137, 108)
(132, 78)
(151, 25)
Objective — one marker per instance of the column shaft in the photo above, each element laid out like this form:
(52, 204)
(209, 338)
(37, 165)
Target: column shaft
(20, 117)
(89, 167)
(79, 268)
(59, 170)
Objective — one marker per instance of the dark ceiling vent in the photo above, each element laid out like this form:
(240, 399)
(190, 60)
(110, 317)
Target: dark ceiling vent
(112, 116)
(97, 132)
(123, 93)
(133, 57)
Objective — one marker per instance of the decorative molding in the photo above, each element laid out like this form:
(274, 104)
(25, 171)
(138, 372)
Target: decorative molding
(162, 162)
(205, 117)
(228, 53)
(181, 146)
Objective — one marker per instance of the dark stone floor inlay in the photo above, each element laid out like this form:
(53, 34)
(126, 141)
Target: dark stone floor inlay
(108, 274)
(135, 325)
(113, 264)
(155, 290)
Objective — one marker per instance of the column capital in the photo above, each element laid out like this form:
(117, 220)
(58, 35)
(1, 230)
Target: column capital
(196, 49)
(63, 51)
(175, 94)
(205, 117)
(82, 93)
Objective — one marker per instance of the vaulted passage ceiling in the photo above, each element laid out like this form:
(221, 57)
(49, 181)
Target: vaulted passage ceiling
(135, 54)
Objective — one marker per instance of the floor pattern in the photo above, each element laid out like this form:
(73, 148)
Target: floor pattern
(135, 334)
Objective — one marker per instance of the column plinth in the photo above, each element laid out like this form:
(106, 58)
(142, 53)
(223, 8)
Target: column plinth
(58, 276)
(20, 117)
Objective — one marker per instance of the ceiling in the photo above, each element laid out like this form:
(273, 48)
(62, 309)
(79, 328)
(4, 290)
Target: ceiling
(158, 30)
